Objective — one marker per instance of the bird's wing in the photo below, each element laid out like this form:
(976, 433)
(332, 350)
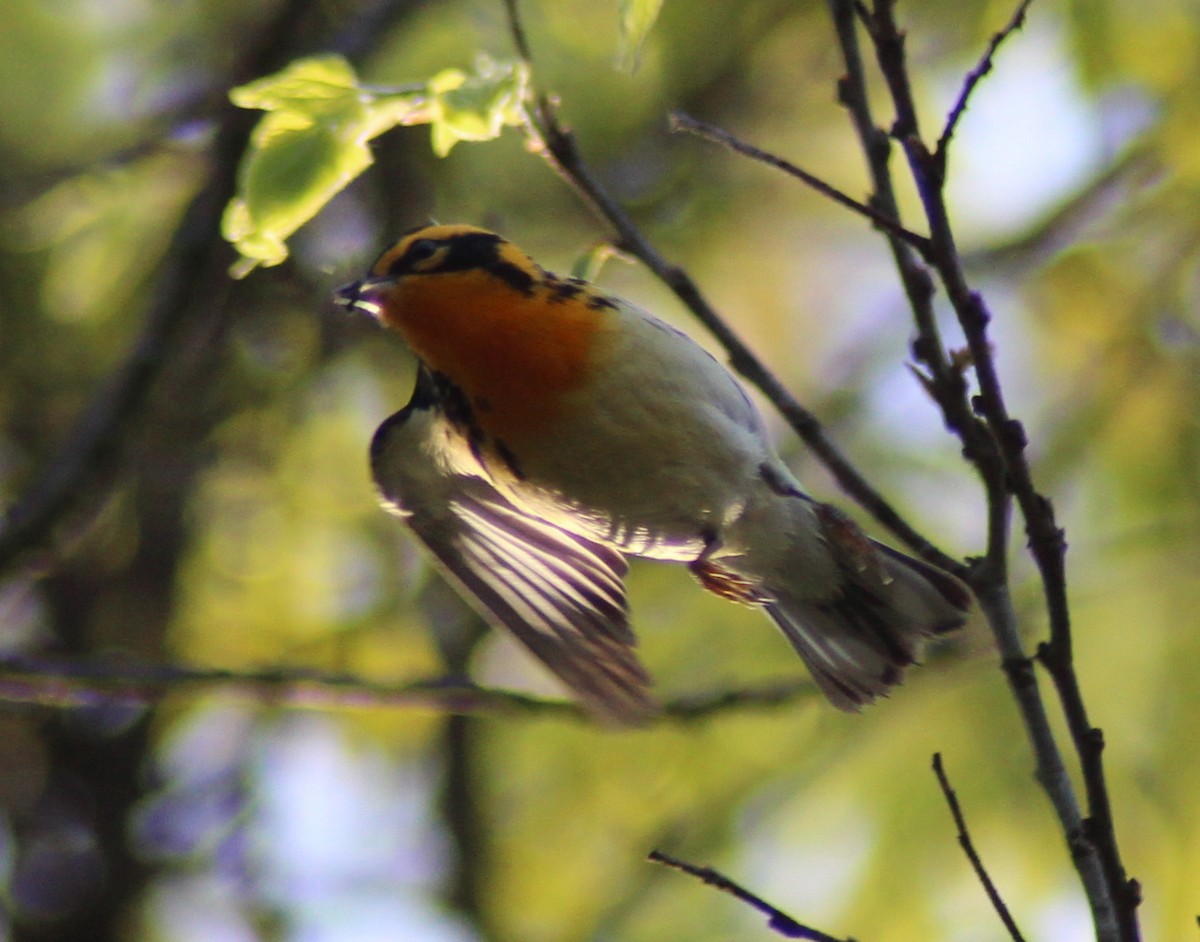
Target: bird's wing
(561, 594)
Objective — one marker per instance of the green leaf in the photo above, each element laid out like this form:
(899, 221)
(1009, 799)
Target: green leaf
(294, 173)
(476, 107)
(329, 78)
(314, 137)
(637, 19)
(309, 145)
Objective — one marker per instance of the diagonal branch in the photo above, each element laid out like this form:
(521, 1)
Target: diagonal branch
(964, 840)
(982, 68)
(557, 146)
(685, 123)
(777, 920)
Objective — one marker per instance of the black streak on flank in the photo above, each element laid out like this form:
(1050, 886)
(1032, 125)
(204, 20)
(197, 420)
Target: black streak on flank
(458, 412)
(425, 393)
(775, 482)
(598, 302)
(510, 460)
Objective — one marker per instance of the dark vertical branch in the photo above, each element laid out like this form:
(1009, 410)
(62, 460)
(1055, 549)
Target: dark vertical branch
(462, 812)
(943, 380)
(142, 432)
(457, 632)
(1003, 463)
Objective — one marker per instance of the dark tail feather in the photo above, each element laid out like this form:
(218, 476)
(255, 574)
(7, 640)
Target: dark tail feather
(858, 643)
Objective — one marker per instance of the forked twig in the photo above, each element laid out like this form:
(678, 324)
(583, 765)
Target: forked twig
(1001, 460)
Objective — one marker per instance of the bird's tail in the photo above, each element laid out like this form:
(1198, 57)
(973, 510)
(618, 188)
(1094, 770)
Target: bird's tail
(858, 643)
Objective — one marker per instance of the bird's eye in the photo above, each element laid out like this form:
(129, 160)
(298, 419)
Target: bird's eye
(420, 251)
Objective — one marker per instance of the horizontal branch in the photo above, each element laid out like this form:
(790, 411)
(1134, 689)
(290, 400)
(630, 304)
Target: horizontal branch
(63, 684)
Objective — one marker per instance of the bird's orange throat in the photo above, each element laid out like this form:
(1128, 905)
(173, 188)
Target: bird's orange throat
(515, 355)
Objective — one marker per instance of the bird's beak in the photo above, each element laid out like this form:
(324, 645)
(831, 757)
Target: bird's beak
(363, 295)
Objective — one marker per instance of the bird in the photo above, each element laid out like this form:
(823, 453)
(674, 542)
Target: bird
(555, 430)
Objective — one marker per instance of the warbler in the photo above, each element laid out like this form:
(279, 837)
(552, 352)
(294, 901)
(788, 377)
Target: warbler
(555, 430)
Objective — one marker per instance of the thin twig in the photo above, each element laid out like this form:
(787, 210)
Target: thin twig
(680, 122)
(767, 696)
(982, 68)
(777, 920)
(964, 840)
(557, 146)
(67, 684)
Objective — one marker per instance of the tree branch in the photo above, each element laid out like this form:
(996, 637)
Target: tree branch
(982, 68)
(777, 920)
(964, 840)
(62, 684)
(997, 448)
(942, 379)
(680, 122)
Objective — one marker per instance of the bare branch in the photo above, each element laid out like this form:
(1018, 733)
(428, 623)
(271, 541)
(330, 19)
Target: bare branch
(557, 146)
(982, 68)
(777, 920)
(690, 708)
(945, 382)
(681, 122)
(62, 684)
(964, 840)
(1000, 458)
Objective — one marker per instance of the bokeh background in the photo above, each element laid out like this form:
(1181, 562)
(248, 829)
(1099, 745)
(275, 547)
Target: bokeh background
(238, 529)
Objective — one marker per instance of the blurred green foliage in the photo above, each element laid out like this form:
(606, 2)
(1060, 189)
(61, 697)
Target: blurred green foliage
(320, 119)
(243, 531)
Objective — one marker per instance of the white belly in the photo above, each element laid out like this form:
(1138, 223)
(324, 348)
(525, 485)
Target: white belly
(661, 454)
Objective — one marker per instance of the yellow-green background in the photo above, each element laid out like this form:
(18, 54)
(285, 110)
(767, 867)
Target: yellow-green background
(243, 531)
